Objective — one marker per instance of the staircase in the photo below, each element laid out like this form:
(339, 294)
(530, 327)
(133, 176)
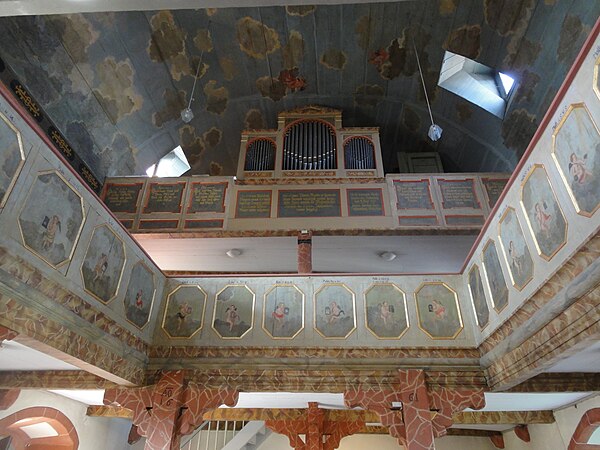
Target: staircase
(225, 435)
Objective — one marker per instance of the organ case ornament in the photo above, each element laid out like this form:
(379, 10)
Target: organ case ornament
(310, 142)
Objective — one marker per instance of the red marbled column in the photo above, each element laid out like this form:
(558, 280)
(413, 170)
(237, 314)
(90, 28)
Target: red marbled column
(305, 252)
(415, 410)
(314, 435)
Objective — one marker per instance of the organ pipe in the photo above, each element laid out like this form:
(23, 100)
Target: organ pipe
(309, 145)
(359, 153)
(260, 155)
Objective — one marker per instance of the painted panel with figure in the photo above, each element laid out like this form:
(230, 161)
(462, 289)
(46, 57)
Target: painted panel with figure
(233, 314)
(438, 311)
(12, 157)
(482, 312)
(184, 312)
(334, 311)
(545, 219)
(515, 250)
(386, 314)
(283, 312)
(103, 264)
(139, 297)
(52, 218)
(494, 276)
(576, 152)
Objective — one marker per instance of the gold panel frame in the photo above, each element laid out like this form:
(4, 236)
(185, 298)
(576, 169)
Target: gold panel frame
(473, 267)
(596, 78)
(505, 252)
(563, 176)
(184, 338)
(403, 294)
(83, 219)
(264, 315)
(151, 302)
(105, 302)
(460, 319)
(487, 280)
(215, 312)
(13, 181)
(325, 285)
(530, 226)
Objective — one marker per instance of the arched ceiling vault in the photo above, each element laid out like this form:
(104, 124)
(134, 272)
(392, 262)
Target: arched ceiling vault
(115, 83)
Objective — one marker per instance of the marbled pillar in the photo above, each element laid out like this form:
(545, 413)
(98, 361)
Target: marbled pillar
(305, 252)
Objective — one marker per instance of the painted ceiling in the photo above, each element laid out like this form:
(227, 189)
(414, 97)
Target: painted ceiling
(115, 83)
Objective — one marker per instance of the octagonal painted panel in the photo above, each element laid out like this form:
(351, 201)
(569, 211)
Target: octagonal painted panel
(233, 314)
(386, 315)
(515, 250)
(576, 152)
(438, 310)
(51, 218)
(335, 311)
(480, 307)
(544, 216)
(139, 298)
(283, 311)
(184, 312)
(12, 157)
(492, 271)
(597, 77)
(103, 264)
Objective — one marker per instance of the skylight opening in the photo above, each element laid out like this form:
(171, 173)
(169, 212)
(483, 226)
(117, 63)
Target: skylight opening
(507, 82)
(479, 84)
(173, 164)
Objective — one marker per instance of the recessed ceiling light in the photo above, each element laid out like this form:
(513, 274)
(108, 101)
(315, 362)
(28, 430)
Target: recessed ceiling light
(388, 256)
(233, 253)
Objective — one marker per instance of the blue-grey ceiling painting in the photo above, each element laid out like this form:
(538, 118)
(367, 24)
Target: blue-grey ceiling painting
(115, 83)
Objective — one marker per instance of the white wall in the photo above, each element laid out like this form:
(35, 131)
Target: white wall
(555, 436)
(94, 433)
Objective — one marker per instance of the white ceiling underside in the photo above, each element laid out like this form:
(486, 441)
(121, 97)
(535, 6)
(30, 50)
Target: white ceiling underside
(331, 254)
(587, 360)
(15, 356)
(34, 7)
(85, 396)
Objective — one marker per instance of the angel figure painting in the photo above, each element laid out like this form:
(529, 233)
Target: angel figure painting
(386, 311)
(51, 219)
(438, 311)
(544, 216)
(139, 297)
(233, 315)
(283, 314)
(335, 316)
(103, 264)
(184, 312)
(482, 312)
(576, 151)
(515, 250)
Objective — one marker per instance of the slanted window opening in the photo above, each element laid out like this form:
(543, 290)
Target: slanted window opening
(479, 84)
(173, 164)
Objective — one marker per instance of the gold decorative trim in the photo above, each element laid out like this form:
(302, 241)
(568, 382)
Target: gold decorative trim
(183, 338)
(215, 312)
(530, 226)
(487, 280)
(83, 219)
(460, 319)
(12, 183)
(563, 176)
(325, 285)
(151, 302)
(396, 287)
(505, 253)
(596, 78)
(105, 302)
(473, 267)
(264, 315)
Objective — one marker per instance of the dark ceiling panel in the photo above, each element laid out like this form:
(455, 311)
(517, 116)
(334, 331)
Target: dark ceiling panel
(115, 83)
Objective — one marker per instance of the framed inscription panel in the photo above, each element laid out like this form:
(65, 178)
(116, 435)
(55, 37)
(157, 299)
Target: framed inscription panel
(309, 203)
(206, 197)
(413, 194)
(253, 204)
(164, 198)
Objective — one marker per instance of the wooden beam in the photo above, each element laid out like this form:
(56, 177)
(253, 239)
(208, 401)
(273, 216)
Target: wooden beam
(474, 417)
(52, 379)
(471, 433)
(560, 382)
(503, 417)
(113, 412)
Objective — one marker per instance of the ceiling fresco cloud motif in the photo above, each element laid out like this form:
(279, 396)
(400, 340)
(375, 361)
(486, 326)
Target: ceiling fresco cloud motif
(115, 83)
